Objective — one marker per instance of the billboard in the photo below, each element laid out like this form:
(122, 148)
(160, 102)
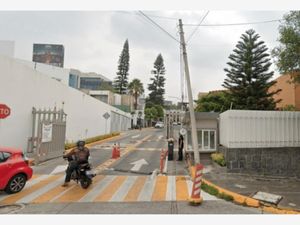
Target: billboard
(49, 54)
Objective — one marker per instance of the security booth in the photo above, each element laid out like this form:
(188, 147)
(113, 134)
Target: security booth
(207, 125)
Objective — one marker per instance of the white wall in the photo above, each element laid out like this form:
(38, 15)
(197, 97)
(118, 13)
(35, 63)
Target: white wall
(7, 48)
(55, 72)
(22, 88)
(259, 129)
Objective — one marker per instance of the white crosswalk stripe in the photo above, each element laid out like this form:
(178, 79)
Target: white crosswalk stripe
(143, 189)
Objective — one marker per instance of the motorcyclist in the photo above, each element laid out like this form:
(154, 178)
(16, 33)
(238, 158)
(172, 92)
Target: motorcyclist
(80, 154)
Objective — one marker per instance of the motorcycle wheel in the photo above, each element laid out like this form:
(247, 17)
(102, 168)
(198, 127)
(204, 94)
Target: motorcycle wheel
(85, 182)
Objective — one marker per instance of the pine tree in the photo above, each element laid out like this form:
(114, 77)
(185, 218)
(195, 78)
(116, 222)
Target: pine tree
(156, 88)
(121, 81)
(248, 76)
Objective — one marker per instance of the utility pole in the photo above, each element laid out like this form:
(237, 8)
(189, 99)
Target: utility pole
(189, 89)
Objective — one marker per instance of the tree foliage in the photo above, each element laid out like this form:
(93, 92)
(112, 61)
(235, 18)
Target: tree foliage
(287, 54)
(156, 88)
(213, 102)
(248, 75)
(136, 89)
(121, 81)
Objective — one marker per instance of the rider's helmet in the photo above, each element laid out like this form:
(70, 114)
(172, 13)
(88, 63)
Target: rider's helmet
(80, 144)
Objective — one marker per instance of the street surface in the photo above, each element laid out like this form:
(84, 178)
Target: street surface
(124, 186)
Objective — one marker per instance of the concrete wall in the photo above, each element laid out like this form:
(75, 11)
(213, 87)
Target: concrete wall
(58, 73)
(7, 48)
(264, 161)
(22, 88)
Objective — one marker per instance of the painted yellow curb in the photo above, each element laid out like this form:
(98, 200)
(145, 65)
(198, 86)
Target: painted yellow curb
(279, 210)
(241, 199)
(244, 200)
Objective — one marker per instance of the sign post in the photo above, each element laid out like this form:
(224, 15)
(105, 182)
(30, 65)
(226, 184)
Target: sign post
(106, 117)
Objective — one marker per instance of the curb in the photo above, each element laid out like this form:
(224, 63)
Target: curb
(31, 160)
(244, 200)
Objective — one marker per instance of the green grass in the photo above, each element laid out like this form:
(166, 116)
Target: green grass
(92, 139)
(214, 191)
(218, 158)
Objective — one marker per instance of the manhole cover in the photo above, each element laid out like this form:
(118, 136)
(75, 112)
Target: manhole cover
(6, 209)
(267, 197)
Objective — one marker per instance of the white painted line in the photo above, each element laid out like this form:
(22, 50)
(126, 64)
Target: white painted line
(123, 190)
(62, 193)
(41, 191)
(59, 169)
(91, 195)
(147, 191)
(136, 136)
(171, 189)
(166, 166)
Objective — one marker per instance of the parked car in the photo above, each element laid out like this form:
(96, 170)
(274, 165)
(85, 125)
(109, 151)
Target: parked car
(14, 170)
(174, 123)
(159, 124)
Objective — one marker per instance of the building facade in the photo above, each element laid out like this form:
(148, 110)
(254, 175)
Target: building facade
(290, 92)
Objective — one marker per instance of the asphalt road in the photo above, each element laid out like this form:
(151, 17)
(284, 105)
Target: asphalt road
(124, 186)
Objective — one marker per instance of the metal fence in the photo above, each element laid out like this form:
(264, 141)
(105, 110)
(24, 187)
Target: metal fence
(48, 134)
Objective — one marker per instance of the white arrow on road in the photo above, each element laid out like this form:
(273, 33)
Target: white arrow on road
(138, 164)
(136, 136)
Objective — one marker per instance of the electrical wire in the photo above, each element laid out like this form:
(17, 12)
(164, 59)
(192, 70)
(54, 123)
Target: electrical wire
(232, 24)
(189, 38)
(162, 29)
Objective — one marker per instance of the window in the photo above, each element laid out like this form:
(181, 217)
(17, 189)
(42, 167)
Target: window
(90, 83)
(4, 156)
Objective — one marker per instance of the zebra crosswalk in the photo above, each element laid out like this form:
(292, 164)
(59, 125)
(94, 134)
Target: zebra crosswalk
(47, 188)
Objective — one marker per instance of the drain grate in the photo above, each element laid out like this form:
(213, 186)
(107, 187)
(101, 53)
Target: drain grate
(7, 209)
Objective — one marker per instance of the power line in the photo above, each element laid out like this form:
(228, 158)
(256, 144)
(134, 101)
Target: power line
(166, 32)
(233, 24)
(197, 27)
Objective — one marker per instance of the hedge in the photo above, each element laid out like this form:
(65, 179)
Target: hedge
(92, 139)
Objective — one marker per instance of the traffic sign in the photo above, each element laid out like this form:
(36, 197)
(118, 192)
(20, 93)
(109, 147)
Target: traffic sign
(182, 131)
(4, 111)
(106, 115)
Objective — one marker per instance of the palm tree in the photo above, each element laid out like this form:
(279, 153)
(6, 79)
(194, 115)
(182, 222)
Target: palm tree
(135, 88)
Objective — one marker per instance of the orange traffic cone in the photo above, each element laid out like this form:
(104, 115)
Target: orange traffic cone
(196, 198)
(114, 152)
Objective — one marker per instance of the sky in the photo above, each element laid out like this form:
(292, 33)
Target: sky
(93, 41)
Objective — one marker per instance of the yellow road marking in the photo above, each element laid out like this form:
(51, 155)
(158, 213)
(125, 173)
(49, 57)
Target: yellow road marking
(160, 190)
(76, 193)
(182, 192)
(135, 190)
(15, 197)
(109, 191)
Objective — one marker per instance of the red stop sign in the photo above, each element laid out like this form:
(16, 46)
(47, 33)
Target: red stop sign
(4, 111)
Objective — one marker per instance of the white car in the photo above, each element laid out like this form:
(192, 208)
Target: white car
(159, 125)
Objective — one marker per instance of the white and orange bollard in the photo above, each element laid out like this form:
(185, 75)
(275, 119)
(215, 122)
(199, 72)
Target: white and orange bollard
(196, 198)
(115, 152)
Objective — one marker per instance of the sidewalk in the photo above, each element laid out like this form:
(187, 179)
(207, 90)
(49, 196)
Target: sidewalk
(248, 185)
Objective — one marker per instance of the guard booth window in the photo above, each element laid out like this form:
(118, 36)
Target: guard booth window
(206, 139)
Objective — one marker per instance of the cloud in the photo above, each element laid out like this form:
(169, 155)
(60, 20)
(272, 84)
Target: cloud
(93, 41)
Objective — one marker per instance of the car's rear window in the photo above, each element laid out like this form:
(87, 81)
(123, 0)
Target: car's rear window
(4, 156)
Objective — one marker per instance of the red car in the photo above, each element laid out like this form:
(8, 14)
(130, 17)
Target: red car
(14, 170)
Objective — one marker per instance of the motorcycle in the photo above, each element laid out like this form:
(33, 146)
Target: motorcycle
(83, 174)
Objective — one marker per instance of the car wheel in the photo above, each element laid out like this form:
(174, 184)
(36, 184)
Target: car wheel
(16, 184)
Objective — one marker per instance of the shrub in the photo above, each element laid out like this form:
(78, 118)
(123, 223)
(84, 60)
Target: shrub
(214, 191)
(92, 139)
(218, 158)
